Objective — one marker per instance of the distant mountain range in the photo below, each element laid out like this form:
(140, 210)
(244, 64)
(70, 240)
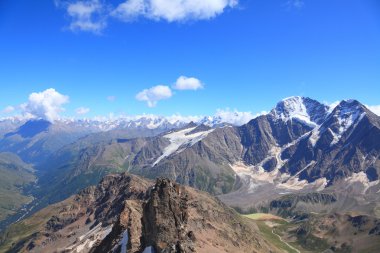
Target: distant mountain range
(35, 139)
(127, 122)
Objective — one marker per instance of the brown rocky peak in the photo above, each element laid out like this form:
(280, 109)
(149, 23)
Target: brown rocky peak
(165, 218)
(127, 213)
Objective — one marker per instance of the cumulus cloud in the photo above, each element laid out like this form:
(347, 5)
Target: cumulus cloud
(235, 117)
(172, 10)
(86, 15)
(92, 15)
(374, 108)
(45, 105)
(188, 83)
(154, 94)
(9, 109)
(82, 110)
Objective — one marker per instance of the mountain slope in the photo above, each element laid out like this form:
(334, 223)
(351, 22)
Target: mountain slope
(337, 232)
(35, 140)
(15, 175)
(347, 142)
(129, 213)
(339, 155)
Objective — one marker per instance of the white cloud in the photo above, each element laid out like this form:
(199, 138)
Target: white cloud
(374, 108)
(188, 83)
(154, 94)
(235, 117)
(46, 104)
(129, 10)
(92, 15)
(172, 10)
(8, 109)
(87, 15)
(82, 110)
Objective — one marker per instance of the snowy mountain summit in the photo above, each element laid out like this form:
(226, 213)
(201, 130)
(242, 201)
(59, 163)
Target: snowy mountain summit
(346, 115)
(303, 109)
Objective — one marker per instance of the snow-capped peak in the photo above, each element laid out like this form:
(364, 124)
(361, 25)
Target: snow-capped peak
(303, 109)
(347, 113)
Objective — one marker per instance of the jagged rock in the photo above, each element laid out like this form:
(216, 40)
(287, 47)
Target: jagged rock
(126, 212)
(165, 218)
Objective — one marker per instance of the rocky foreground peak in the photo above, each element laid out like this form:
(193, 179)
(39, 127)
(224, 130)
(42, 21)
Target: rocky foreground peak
(126, 213)
(165, 219)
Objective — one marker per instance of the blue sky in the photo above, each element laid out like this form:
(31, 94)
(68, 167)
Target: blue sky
(247, 55)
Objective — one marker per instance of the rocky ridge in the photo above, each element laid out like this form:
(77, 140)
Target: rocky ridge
(126, 213)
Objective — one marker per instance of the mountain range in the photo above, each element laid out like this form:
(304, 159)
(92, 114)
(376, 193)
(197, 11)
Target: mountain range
(301, 158)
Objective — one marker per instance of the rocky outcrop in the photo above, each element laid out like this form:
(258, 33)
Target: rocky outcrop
(165, 219)
(127, 213)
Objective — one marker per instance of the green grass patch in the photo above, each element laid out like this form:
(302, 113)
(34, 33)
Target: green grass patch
(263, 216)
(14, 176)
(266, 232)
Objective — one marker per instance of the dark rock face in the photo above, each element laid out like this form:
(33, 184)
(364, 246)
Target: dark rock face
(376, 229)
(337, 154)
(371, 173)
(312, 198)
(261, 134)
(286, 206)
(270, 164)
(165, 219)
(358, 221)
(200, 128)
(56, 223)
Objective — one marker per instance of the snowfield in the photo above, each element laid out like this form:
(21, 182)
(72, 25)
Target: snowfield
(181, 139)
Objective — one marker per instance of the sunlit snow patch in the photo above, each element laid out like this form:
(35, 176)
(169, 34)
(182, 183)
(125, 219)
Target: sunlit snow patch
(293, 108)
(181, 138)
(296, 184)
(256, 176)
(88, 240)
